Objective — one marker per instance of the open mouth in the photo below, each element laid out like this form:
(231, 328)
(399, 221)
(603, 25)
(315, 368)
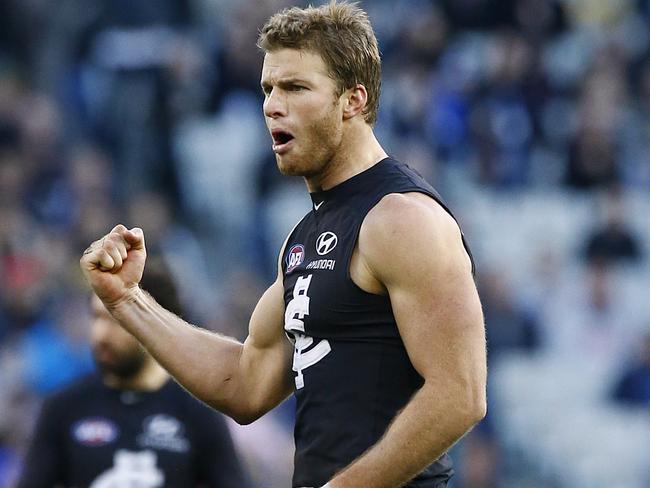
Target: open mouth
(281, 140)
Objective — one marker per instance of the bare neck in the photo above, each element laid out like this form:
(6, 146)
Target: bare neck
(151, 377)
(359, 150)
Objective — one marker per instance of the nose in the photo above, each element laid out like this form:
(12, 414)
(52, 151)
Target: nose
(275, 104)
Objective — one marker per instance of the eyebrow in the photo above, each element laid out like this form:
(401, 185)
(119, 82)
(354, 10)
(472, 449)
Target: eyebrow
(291, 80)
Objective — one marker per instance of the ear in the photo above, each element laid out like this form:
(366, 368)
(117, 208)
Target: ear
(355, 100)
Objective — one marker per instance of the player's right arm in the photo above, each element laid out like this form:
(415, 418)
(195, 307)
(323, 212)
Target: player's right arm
(243, 381)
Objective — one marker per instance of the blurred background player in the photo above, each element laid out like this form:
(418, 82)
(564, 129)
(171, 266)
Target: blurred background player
(130, 424)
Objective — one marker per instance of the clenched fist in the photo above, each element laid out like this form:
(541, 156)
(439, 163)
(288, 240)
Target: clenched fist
(113, 265)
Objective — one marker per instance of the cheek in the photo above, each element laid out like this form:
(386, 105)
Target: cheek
(326, 131)
(323, 121)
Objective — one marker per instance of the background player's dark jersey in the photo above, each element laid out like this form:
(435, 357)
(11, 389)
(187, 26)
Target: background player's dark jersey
(89, 435)
(353, 374)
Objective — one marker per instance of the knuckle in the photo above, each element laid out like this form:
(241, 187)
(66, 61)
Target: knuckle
(112, 240)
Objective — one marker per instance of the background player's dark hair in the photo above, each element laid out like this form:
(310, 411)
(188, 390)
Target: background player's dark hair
(158, 281)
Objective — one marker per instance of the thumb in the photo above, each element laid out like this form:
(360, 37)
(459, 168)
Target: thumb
(135, 237)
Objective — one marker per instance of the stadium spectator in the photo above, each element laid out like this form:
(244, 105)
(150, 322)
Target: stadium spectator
(633, 385)
(612, 241)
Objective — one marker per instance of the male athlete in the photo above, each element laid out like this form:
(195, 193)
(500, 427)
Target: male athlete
(374, 290)
(130, 424)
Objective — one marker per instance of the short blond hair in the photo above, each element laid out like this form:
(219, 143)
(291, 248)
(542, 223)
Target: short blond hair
(342, 35)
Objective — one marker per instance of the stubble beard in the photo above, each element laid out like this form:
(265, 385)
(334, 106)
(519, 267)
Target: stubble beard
(126, 367)
(322, 145)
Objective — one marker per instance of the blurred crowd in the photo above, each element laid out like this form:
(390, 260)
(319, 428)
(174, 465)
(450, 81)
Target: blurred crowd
(531, 117)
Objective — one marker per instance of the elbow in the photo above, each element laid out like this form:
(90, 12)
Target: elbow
(240, 412)
(470, 414)
(470, 406)
(245, 418)
(234, 403)
(479, 411)
(245, 414)
(476, 396)
(466, 404)
(476, 406)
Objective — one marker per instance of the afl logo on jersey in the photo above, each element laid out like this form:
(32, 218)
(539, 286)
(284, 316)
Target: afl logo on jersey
(326, 242)
(95, 431)
(295, 257)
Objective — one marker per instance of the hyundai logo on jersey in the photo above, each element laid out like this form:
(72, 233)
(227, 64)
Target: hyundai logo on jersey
(326, 242)
(95, 431)
(295, 257)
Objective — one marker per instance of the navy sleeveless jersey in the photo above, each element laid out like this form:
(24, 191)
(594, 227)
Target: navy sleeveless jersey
(352, 372)
(89, 435)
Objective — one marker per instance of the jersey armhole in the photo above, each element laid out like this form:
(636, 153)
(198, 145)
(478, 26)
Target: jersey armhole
(283, 249)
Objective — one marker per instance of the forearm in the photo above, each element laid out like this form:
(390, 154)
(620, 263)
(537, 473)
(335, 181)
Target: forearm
(422, 432)
(205, 363)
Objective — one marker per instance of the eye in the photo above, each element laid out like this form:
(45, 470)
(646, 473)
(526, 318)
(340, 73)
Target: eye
(296, 88)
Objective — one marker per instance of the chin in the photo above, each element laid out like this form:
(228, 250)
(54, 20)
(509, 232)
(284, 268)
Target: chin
(289, 169)
(294, 168)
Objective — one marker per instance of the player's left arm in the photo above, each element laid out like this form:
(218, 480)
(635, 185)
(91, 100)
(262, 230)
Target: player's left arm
(413, 248)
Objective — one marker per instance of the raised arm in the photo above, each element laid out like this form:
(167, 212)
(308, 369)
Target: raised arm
(412, 249)
(242, 380)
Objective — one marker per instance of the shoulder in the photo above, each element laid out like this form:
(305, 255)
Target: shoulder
(402, 211)
(406, 230)
(403, 218)
(65, 400)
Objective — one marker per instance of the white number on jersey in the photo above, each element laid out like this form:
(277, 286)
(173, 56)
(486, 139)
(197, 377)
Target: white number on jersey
(132, 469)
(298, 307)
(297, 310)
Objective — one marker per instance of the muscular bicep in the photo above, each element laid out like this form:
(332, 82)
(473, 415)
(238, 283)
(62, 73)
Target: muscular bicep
(431, 287)
(266, 356)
